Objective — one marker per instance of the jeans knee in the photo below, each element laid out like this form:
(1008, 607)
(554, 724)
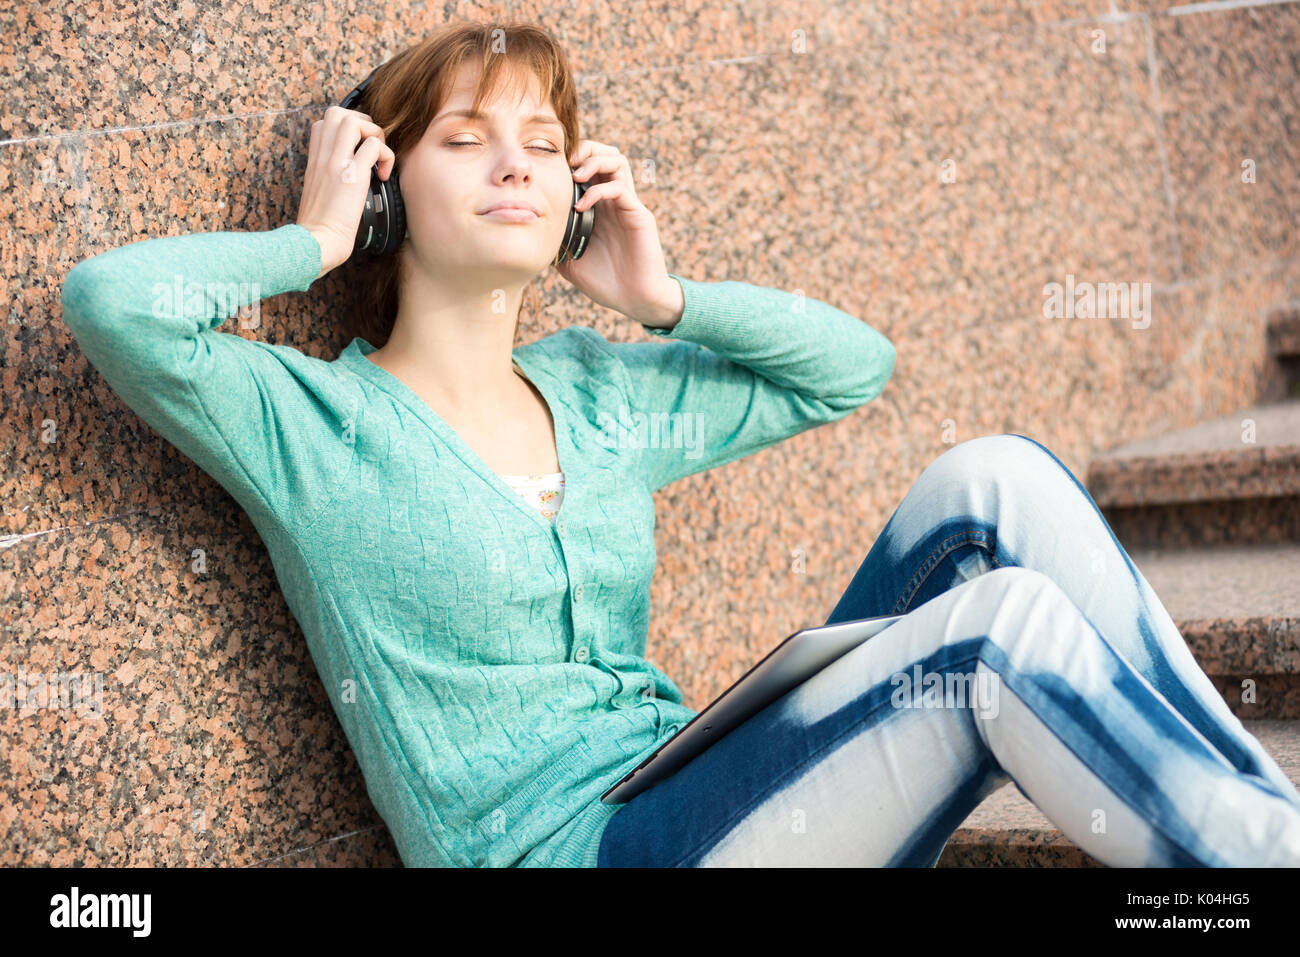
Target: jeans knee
(996, 467)
(1000, 455)
(1020, 607)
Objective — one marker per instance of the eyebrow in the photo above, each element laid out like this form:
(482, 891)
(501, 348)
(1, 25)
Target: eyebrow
(543, 118)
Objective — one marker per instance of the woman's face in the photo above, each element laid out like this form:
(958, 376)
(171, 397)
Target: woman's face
(463, 165)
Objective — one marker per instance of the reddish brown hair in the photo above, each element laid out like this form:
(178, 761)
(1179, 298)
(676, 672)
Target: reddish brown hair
(405, 95)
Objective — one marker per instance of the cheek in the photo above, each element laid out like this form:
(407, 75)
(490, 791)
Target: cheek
(563, 201)
(435, 202)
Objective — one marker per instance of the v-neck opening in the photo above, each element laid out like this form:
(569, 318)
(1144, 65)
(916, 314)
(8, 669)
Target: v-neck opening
(355, 358)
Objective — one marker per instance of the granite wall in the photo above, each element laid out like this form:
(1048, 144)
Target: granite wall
(929, 167)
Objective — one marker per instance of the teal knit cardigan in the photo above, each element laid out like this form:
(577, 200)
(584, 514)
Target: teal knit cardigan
(487, 667)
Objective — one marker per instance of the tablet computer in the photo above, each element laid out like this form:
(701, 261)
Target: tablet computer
(789, 664)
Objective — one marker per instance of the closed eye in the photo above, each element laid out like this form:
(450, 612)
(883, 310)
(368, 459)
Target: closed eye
(545, 149)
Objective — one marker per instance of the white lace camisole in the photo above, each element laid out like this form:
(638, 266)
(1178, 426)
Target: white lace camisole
(542, 492)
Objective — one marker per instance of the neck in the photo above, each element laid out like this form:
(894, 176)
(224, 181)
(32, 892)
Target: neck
(456, 347)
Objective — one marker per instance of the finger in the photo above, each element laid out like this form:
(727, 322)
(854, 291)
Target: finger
(589, 148)
(614, 163)
(336, 110)
(374, 152)
(614, 189)
(619, 172)
(358, 165)
(330, 123)
(343, 156)
(345, 126)
(592, 163)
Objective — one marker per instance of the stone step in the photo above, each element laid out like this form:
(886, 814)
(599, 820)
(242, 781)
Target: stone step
(1231, 480)
(1234, 479)
(1008, 830)
(1238, 608)
(1251, 453)
(1243, 521)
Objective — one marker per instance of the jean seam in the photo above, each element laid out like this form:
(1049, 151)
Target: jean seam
(815, 755)
(931, 562)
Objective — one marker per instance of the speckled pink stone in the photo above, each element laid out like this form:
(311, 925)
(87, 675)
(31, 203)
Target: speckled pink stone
(797, 145)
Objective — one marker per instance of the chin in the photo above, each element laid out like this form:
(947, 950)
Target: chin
(530, 263)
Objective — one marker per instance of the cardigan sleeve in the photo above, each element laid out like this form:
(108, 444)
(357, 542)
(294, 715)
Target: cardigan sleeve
(749, 366)
(146, 315)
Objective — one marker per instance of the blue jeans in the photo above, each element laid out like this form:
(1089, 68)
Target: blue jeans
(1032, 650)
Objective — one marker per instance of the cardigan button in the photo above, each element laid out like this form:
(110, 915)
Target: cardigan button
(577, 593)
(581, 653)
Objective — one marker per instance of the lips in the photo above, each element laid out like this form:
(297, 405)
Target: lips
(511, 215)
(512, 204)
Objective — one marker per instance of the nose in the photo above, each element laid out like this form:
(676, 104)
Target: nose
(516, 165)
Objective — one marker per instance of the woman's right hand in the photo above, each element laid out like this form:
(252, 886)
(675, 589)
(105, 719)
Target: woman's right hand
(338, 179)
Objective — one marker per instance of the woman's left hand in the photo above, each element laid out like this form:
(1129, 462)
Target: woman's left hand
(623, 268)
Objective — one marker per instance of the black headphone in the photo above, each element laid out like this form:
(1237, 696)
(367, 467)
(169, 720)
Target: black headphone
(383, 221)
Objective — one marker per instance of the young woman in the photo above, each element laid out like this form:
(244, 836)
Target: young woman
(465, 530)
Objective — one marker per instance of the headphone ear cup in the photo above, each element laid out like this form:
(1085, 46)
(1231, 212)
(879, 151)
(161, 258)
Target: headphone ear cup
(383, 221)
(396, 213)
(578, 230)
(570, 227)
